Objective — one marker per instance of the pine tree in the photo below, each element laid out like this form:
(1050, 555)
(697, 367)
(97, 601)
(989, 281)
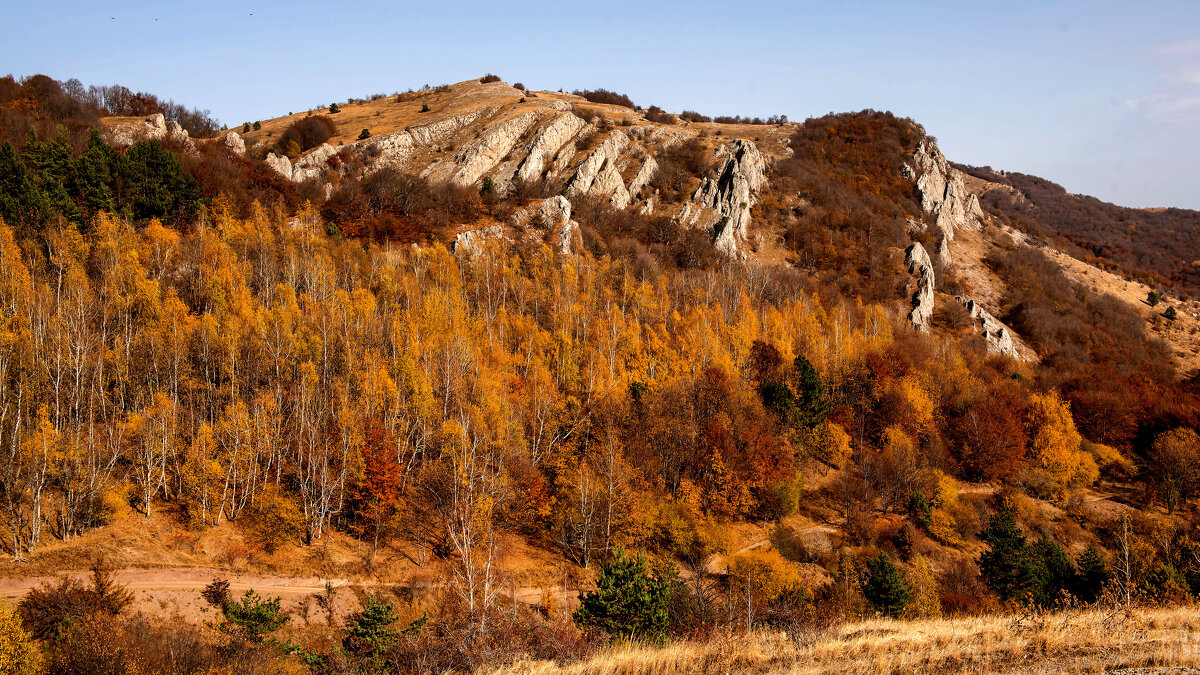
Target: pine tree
(369, 633)
(629, 600)
(22, 203)
(1059, 573)
(1008, 567)
(813, 406)
(333, 108)
(1093, 575)
(885, 586)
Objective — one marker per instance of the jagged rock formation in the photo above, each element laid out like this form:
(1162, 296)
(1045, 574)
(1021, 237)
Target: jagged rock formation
(546, 145)
(551, 213)
(943, 193)
(921, 268)
(731, 192)
(997, 336)
(236, 145)
(569, 238)
(605, 155)
(476, 158)
(280, 163)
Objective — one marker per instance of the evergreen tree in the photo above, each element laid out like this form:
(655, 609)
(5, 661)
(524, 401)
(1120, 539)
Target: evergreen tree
(155, 184)
(22, 203)
(813, 406)
(253, 617)
(366, 133)
(885, 586)
(369, 633)
(1059, 572)
(1152, 298)
(94, 177)
(1009, 566)
(629, 600)
(333, 108)
(1093, 575)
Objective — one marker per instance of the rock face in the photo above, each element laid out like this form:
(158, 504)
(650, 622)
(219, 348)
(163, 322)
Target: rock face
(280, 163)
(551, 213)
(471, 242)
(569, 239)
(731, 192)
(605, 155)
(312, 165)
(477, 157)
(921, 268)
(546, 145)
(129, 130)
(235, 144)
(943, 193)
(997, 336)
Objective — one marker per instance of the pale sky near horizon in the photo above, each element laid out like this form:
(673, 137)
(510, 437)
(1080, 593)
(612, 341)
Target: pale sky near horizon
(1101, 97)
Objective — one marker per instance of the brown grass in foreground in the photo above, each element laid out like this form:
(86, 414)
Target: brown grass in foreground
(1087, 641)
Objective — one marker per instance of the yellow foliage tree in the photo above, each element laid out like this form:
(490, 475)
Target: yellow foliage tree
(19, 654)
(1055, 444)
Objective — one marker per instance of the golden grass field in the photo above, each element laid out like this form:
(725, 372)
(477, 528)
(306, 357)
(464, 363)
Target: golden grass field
(1083, 641)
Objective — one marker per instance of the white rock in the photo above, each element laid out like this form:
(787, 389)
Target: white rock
(546, 145)
(731, 192)
(607, 153)
(921, 268)
(235, 144)
(569, 239)
(476, 158)
(281, 164)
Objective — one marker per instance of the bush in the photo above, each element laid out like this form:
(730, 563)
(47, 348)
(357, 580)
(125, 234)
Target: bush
(605, 96)
(364, 134)
(333, 108)
(48, 609)
(19, 654)
(518, 85)
(424, 107)
(489, 78)
(253, 618)
(306, 133)
(629, 600)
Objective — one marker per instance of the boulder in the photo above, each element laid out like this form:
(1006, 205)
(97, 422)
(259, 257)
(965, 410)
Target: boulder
(235, 144)
(281, 164)
(921, 269)
(551, 213)
(471, 242)
(313, 164)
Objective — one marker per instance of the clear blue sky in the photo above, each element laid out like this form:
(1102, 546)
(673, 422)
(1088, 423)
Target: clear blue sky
(1102, 97)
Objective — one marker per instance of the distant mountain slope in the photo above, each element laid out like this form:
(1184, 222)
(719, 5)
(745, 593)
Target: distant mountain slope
(1159, 246)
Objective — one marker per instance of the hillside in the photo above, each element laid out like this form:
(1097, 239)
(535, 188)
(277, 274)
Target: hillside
(459, 365)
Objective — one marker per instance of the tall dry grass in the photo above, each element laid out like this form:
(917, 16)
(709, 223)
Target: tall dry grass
(1083, 641)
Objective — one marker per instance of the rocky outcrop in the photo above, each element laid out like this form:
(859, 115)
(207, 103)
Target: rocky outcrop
(312, 165)
(235, 144)
(741, 172)
(998, 338)
(471, 242)
(124, 131)
(546, 145)
(477, 157)
(943, 193)
(280, 163)
(551, 213)
(644, 175)
(605, 155)
(921, 269)
(569, 239)
(395, 148)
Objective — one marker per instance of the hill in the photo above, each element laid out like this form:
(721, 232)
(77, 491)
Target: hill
(458, 364)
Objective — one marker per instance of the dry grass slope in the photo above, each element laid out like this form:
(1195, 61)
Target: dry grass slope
(1088, 641)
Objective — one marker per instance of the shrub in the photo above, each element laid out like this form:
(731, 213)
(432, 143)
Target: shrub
(1170, 314)
(424, 107)
(364, 134)
(257, 126)
(693, 116)
(657, 114)
(1152, 298)
(605, 96)
(629, 600)
(48, 609)
(333, 108)
(253, 617)
(19, 654)
(306, 133)
(246, 128)
(518, 85)
(489, 78)
(369, 633)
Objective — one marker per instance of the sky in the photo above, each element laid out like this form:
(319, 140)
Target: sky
(1101, 97)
